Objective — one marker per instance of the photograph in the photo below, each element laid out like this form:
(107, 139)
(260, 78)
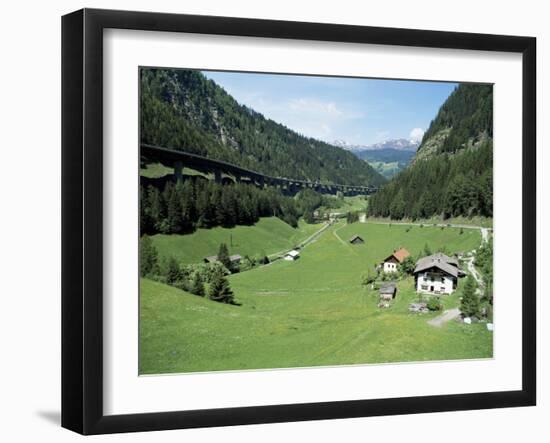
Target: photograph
(294, 221)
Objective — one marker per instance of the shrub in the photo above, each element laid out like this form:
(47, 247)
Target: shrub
(408, 265)
(434, 304)
(148, 257)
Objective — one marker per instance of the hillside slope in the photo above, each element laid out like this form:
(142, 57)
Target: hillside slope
(182, 109)
(452, 172)
(267, 236)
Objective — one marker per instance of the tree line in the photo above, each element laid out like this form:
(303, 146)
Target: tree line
(182, 207)
(204, 280)
(444, 185)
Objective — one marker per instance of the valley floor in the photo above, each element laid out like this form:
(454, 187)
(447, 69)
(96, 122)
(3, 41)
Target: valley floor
(310, 312)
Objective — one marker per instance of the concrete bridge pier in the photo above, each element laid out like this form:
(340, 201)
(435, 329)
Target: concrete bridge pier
(217, 176)
(178, 170)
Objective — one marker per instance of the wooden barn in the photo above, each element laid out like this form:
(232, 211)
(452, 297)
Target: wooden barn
(388, 291)
(234, 259)
(356, 240)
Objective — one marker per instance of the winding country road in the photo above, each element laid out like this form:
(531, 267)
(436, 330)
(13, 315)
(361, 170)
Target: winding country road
(303, 243)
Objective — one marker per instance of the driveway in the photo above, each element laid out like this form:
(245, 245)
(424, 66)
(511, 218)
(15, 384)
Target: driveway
(448, 315)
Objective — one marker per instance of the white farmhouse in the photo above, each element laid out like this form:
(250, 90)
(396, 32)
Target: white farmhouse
(391, 263)
(437, 274)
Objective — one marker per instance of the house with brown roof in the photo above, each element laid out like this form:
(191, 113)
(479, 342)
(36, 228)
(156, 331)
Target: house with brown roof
(437, 274)
(392, 262)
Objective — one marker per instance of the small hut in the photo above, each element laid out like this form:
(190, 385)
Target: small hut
(234, 259)
(292, 255)
(356, 240)
(388, 291)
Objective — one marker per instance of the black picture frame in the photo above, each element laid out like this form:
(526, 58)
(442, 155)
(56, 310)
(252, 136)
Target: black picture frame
(82, 218)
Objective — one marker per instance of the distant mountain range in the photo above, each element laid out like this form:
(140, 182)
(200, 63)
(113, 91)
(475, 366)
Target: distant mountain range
(388, 157)
(400, 144)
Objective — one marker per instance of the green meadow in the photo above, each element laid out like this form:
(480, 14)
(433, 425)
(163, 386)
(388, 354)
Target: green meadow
(269, 236)
(309, 312)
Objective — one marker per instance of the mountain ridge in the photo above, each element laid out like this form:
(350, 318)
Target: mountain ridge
(452, 172)
(183, 110)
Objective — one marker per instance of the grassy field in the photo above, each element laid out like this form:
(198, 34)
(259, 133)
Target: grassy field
(309, 312)
(387, 169)
(356, 203)
(268, 236)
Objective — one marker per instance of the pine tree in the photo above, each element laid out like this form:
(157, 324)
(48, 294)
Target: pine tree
(219, 289)
(197, 287)
(156, 207)
(173, 209)
(469, 306)
(223, 256)
(172, 272)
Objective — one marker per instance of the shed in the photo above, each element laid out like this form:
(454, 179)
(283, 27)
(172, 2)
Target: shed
(292, 255)
(388, 291)
(234, 259)
(356, 240)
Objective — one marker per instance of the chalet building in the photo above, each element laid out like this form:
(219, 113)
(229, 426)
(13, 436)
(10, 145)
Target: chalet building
(234, 259)
(292, 255)
(391, 263)
(388, 291)
(356, 240)
(437, 274)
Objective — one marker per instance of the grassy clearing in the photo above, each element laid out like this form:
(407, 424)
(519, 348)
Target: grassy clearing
(157, 170)
(356, 203)
(387, 169)
(268, 236)
(308, 313)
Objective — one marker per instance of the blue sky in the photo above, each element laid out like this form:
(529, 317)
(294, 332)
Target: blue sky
(358, 111)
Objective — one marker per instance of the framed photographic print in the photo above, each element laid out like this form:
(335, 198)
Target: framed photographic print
(269, 221)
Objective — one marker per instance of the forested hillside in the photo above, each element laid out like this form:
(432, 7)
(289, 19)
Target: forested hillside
(452, 173)
(183, 110)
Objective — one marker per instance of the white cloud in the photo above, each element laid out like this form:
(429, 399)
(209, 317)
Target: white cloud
(381, 136)
(315, 107)
(416, 134)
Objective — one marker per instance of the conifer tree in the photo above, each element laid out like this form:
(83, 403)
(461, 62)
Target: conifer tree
(173, 272)
(219, 289)
(197, 287)
(469, 305)
(223, 256)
